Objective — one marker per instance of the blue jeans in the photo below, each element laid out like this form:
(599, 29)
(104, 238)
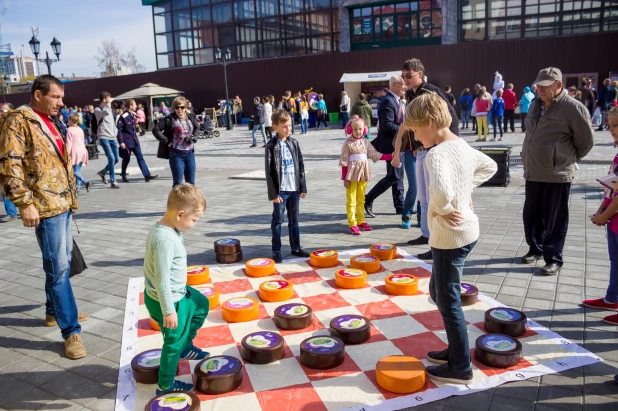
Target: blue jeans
(290, 202)
(320, 120)
(182, 164)
(422, 189)
(465, 117)
(494, 120)
(10, 208)
(345, 117)
(304, 125)
(612, 246)
(55, 239)
(445, 291)
(77, 170)
(257, 127)
(125, 153)
(409, 163)
(110, 147)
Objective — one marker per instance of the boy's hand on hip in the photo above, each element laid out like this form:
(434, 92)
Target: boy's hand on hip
(453, 218)
(303, 195)
(278, 200)
(170, 321)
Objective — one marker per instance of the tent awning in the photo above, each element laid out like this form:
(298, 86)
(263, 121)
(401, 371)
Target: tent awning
(149, 90)
(368, 77)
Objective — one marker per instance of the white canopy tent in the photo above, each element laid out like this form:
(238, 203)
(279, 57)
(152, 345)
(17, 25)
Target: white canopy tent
(352, 82)
(148, 92)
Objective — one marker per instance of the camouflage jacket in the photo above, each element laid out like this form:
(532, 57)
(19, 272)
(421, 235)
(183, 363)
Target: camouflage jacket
(32, 170)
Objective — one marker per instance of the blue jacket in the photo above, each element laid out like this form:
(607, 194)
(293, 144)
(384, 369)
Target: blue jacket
(468, 98)
(497, 109)
(389, 124)
(127, 130)
(526, 99)
(322, 106)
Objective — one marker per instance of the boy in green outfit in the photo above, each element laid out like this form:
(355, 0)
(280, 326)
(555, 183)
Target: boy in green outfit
(179, 309)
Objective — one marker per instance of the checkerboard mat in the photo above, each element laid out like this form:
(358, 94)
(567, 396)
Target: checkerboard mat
(408, 325)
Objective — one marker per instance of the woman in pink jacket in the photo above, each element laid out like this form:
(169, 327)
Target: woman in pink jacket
(141, 120)
(77, 150)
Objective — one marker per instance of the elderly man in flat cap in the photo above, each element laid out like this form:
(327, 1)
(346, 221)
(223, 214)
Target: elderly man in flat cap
(558, 134)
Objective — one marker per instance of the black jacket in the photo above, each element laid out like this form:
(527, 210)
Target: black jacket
(389, 124)
(259, 114)
(426, 88)
(164, 132)
(273, 166)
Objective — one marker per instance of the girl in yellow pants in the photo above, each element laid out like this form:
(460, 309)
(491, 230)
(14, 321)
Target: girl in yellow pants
(356, 172)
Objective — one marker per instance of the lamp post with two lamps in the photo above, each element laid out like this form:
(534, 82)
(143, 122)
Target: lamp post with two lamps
(35, 46)
(227, 56)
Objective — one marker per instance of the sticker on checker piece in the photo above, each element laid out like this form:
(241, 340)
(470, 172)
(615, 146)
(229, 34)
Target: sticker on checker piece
(366, 262)
(240, 309)
(293, 316)
(276, 290)
(324, 258)
(218, 375)
(322, 352)
(401, 284)
(469, 294)
(174, 401)
(384, 252)
(262, 347)
(145, 366)
(260, 267)
(209, 292)
(504, 320)
(351, 329)
(198, 274)
(350, 278)
(498, 350)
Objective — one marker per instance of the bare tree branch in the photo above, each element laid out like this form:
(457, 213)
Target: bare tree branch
(113, 62)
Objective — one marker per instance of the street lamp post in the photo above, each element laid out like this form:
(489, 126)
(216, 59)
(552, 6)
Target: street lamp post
(35, 46)
(224, 59)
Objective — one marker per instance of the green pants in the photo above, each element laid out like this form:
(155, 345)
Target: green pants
(192, 311)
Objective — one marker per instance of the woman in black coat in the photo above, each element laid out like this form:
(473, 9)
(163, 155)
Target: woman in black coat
(177, 135)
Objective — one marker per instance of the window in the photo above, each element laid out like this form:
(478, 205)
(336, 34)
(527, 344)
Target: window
(222, 13)
(318, 23)
(267, 8)
(224, 35)
(270, 28)
(248, 51)
(610, 18)
(503, 8)
(183, 40)
(539, 26)
(320, 44)
(472, 9)
(291, 6)
(245, 32)
(182, 20)
(244, 10)
(199, 3)
(164, 42)
(272, 48)
(179, 4)
(294, 26)
(165, 60)
(162, 8)
(201, 17)
(163, 23)
(295, 47)
(202, 37)
(581, 22)
(504, 29)
(473, 30)
(317, 4)
(185, 58)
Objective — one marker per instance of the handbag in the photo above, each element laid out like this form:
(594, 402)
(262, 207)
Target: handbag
(78, 264)
(518, 109)
(344, 109)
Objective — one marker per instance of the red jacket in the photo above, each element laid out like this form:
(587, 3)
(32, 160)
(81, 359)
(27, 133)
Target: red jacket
(510, 99)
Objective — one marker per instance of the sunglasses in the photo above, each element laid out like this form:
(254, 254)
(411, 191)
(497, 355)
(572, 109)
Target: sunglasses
(409, 75)
(180, 108)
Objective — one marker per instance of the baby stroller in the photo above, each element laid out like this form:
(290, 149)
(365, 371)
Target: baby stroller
(208, 129)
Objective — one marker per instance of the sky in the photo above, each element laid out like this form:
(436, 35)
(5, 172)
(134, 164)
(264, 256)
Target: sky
(81, 26)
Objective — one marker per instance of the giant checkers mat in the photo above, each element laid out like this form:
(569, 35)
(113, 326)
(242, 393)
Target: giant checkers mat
(408, 325)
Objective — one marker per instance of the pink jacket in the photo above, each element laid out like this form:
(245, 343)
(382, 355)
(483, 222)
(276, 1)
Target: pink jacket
(141, 116)
(76, 145)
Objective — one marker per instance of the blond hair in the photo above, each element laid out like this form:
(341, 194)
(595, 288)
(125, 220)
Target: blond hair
(613, 112)
(186, 197)
(425, 107)
(280, 116)
(74, 118)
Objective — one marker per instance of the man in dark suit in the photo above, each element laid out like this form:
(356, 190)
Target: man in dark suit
(390, 115)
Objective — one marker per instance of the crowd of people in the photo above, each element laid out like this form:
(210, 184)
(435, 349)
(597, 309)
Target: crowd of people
(41, 160)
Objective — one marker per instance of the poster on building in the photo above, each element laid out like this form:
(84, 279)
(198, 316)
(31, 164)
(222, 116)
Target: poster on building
(366, 28)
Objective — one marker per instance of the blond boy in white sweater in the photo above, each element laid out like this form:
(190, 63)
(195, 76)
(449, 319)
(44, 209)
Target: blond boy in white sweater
(455, 169)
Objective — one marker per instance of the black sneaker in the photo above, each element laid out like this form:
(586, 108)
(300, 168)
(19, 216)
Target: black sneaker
(551, 269)
(277, 258)
(300, 253)
(443, 373)
(369, 211)
(426, 256)
(150, 178)
(438, 357)
(114, 185)
(87, 186)
(530, 258)
(419, 241)
(125, 179)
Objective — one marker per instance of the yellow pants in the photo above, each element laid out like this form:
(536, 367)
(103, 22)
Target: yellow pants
(355, 196)
(482, 124)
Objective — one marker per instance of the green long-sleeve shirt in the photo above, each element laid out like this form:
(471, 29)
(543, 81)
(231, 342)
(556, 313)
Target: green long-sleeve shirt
(165, 267)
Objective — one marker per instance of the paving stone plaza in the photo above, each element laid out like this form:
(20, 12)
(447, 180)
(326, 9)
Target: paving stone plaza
(113, 225)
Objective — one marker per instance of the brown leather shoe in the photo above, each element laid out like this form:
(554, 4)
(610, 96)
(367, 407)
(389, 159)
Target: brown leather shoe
(50, 320)
(74, 347)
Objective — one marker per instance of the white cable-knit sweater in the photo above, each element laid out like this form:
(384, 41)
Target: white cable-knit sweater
(455, 169)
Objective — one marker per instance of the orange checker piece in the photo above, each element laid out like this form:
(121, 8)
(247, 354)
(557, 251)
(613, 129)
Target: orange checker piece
(366, 262)
(401, 284)
(154, 325)
(260, 267)
(384, 252)
(400, 374)
(209, 292)
(240, 309)
(276, 290)
(350, 278)
(197, 274)
(324, 258)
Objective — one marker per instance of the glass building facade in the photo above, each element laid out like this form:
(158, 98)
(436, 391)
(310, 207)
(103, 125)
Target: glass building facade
(188, 31)
(512, 19)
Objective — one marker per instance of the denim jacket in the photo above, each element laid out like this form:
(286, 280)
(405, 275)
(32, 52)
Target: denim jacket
(273, 166)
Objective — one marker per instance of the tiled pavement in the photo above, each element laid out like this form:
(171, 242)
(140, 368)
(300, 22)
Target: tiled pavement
(35, 375)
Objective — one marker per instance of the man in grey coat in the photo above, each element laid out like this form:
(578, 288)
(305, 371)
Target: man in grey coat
(558, 134)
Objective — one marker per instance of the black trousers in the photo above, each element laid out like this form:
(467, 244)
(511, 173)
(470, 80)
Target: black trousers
(523, 121)
(394, 180)
(509, 116)
(546, 218)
